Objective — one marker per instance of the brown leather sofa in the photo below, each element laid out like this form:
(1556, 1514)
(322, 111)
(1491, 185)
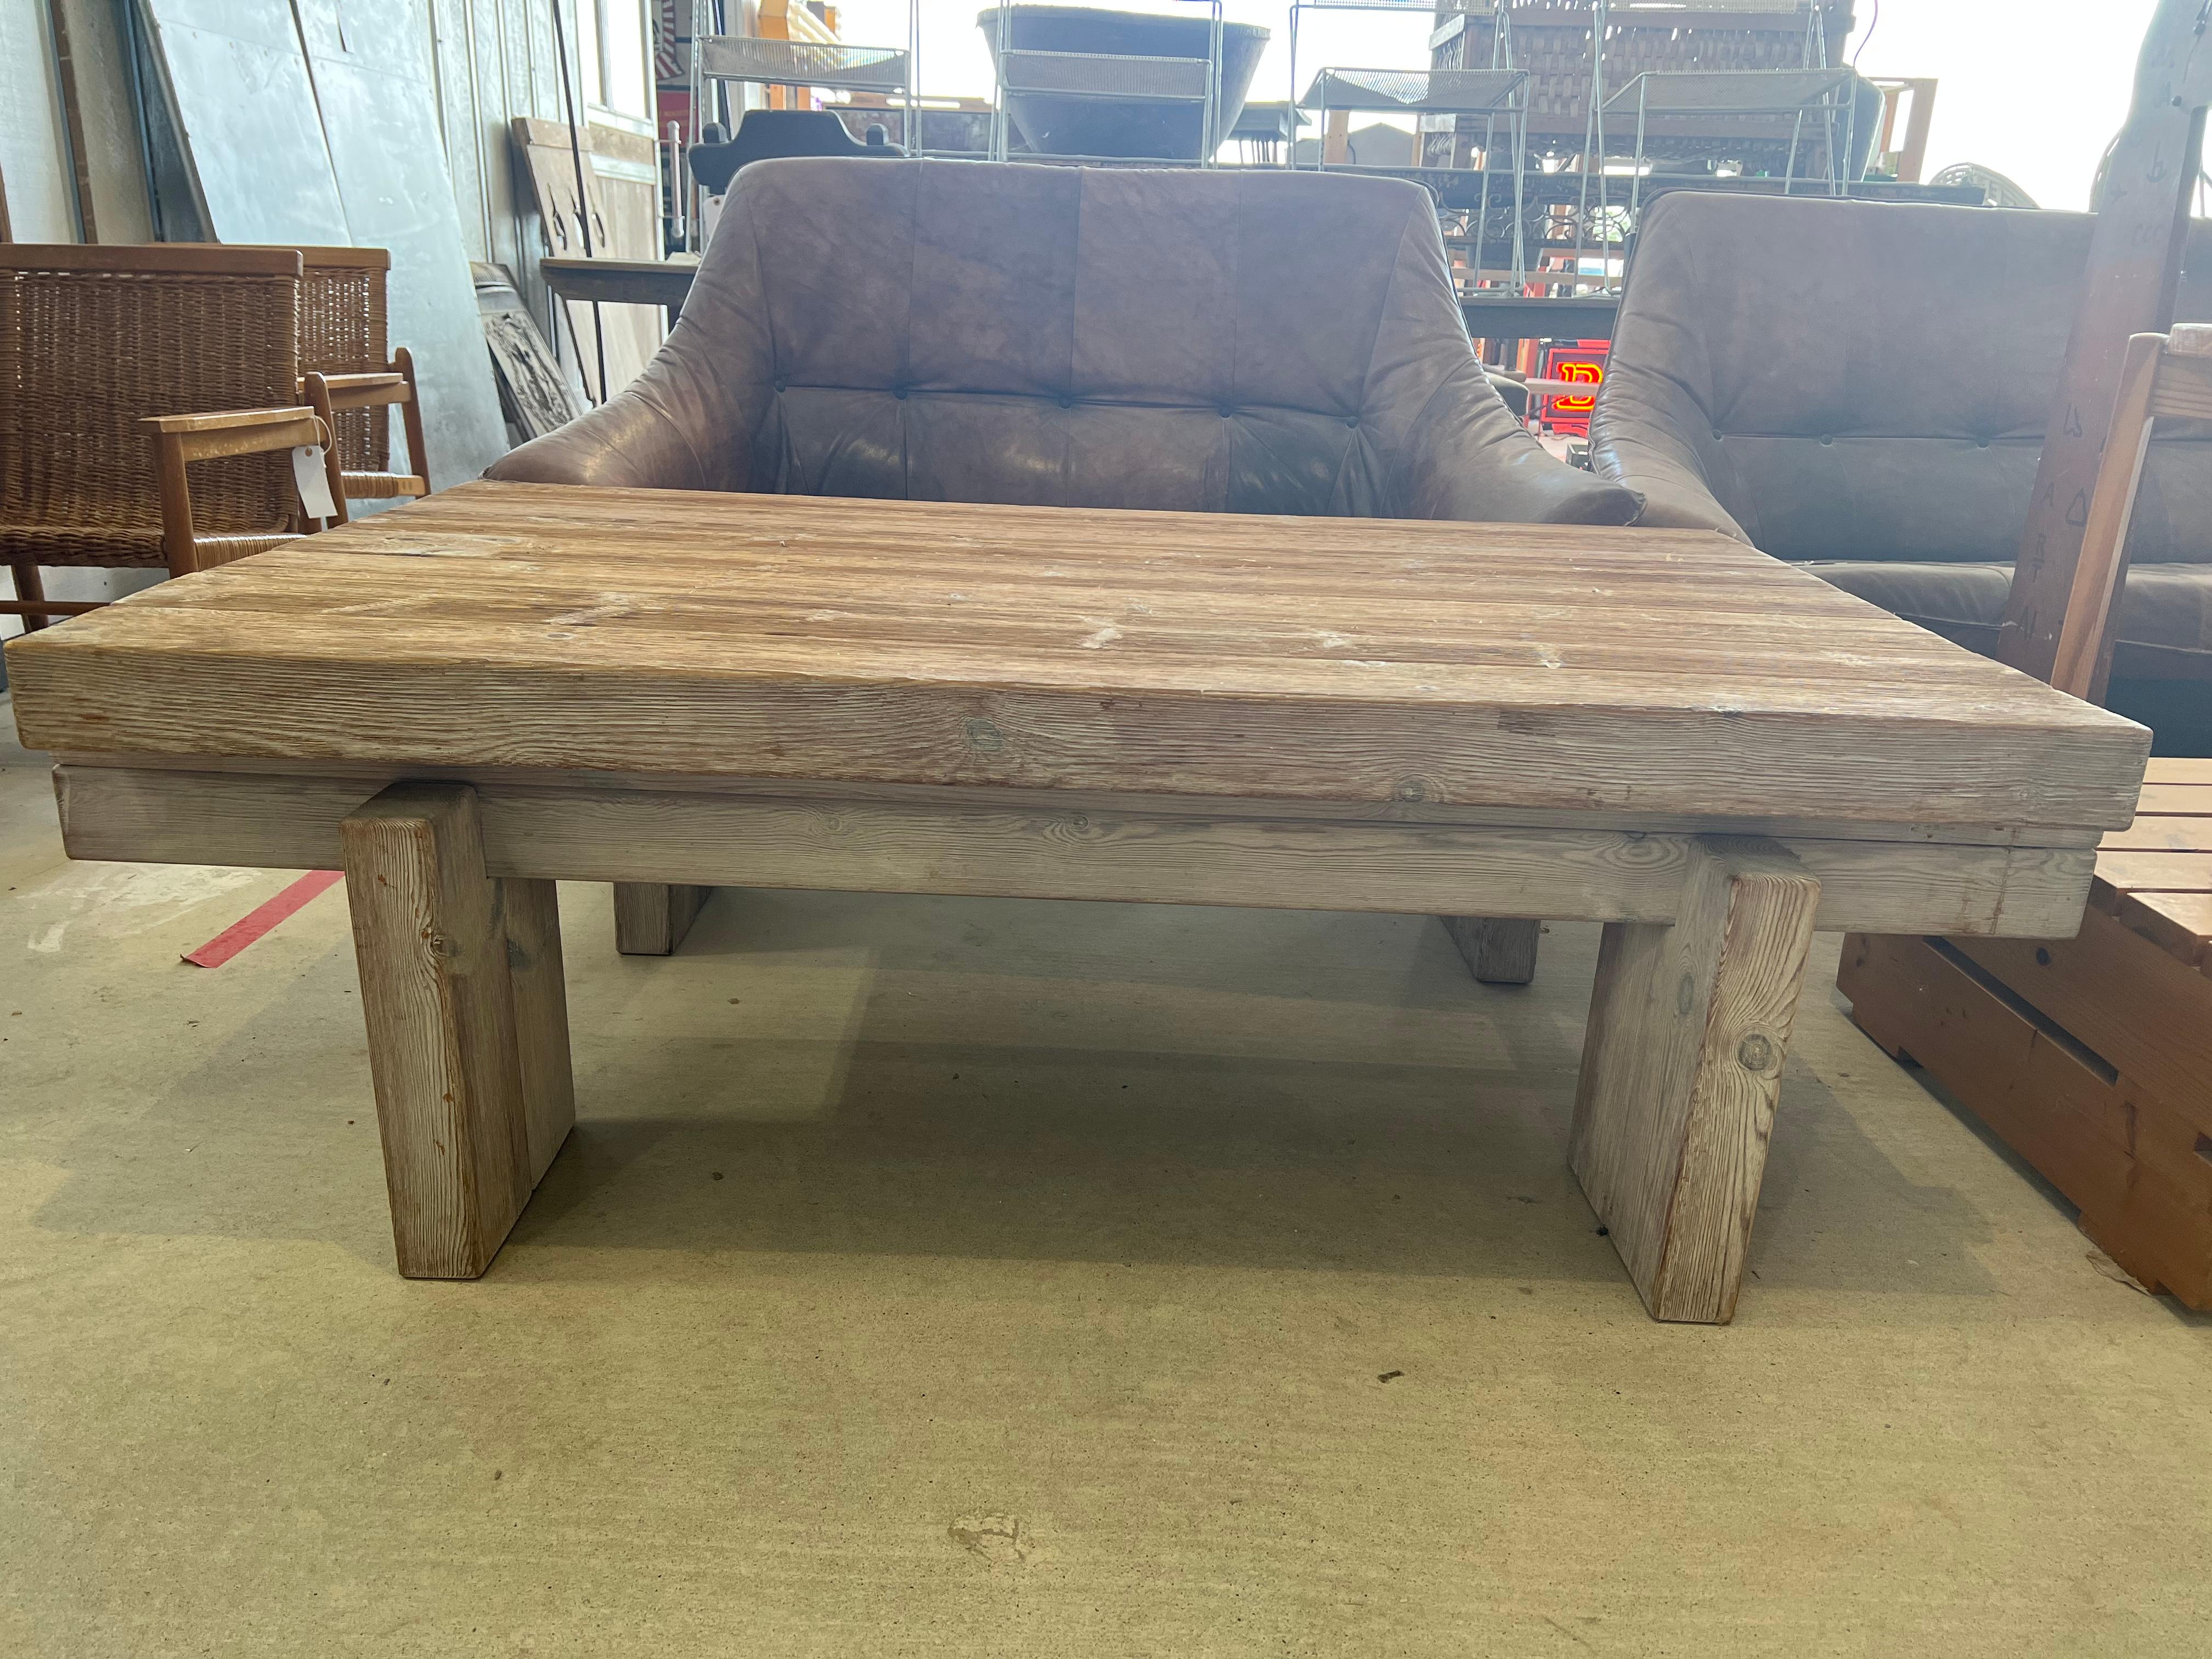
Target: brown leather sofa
(1862, 387)
(1221, 341)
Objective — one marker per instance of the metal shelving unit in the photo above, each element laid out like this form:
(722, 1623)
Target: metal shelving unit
(1815, 58)
(1501, 50)
(1726, 94)
(799, 64)
(1498, 91)
(1490, 93)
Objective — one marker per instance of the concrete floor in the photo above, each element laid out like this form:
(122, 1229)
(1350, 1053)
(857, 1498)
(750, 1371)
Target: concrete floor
(979, 1276)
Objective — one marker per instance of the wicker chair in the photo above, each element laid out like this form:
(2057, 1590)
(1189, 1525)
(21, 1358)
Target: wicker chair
(102, 348)
(349, 377)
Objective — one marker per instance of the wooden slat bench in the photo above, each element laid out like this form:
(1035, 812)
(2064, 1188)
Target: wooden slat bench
(2091, 1056)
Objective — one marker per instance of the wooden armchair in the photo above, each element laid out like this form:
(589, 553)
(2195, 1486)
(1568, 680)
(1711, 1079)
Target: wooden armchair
(349, 376)
(2162, 374)
(94, 341)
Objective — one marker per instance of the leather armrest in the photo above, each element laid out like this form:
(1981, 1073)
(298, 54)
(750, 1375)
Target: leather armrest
(1468, 458)
(1649, 435)
(629, 442)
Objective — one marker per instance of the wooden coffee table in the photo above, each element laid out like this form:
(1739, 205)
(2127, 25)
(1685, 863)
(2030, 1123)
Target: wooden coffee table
(462, 701)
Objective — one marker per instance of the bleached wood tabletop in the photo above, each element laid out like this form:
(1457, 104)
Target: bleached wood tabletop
(1664, 730)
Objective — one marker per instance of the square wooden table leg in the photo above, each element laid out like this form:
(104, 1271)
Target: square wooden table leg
(1499, 949)
(651, 917)
(438, 995)
(532, 909)
(1689, 1026)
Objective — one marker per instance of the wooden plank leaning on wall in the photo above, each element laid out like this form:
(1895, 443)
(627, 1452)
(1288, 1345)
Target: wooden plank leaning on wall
(622, 185)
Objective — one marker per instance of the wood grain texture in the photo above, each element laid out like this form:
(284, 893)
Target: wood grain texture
(2164, 799)
(370, 777)
(1681, 1067)
(2180, 924)
(2163, 833)
(2168, 903)
(651, 917)
(438, 999)
(1563, 668)
(2101, 563)
(2125, 1157)
(2149, 1014)
(532, 910)
(2185, 382)
(2155, 872)
(1497, 950)
(933, 842)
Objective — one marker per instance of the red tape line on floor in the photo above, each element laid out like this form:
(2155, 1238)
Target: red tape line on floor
(240, 934)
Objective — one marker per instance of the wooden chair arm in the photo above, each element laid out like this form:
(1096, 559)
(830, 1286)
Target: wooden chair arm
(2101, 568)
(181, 440)
(394, 387)
(357, 391)
(214, 434)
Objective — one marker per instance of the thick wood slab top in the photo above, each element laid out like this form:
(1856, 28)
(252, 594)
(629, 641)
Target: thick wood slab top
(1631, 672)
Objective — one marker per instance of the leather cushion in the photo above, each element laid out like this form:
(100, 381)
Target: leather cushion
(1249, 341)
(2167, 608)
(1859, 379)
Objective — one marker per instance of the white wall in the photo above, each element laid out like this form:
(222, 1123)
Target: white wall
(33, 157)
(2035, 88)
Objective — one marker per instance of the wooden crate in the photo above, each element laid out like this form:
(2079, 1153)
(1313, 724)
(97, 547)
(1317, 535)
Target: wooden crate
(2092, 1056)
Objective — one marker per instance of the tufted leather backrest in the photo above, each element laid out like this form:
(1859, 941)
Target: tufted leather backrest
(1871, 380)
(1256, 342)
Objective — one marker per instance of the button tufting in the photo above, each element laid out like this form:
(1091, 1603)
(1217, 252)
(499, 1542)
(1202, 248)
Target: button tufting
(899, 393)
(1066, 402)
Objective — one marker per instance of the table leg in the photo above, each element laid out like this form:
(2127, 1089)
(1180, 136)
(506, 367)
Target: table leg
(437, 995)
(1689, 1025)
(651, 917)
(1499, 950)
(541, 1017)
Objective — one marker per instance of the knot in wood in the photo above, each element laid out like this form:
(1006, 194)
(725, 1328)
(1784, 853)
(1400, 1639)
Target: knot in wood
(1755, 1053)
(984, 737)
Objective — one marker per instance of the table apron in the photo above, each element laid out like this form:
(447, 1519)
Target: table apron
(582, 833)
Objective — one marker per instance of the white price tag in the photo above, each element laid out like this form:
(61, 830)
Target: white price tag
(314, 483)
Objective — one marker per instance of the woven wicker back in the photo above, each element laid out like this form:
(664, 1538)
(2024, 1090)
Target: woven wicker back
(93, 339)
(1551, 39)
(342, 331)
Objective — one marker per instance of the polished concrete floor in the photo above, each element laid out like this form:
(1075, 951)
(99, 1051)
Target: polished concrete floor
(989, 1277)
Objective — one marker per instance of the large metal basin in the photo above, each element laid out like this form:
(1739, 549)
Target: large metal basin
(1063, 124)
